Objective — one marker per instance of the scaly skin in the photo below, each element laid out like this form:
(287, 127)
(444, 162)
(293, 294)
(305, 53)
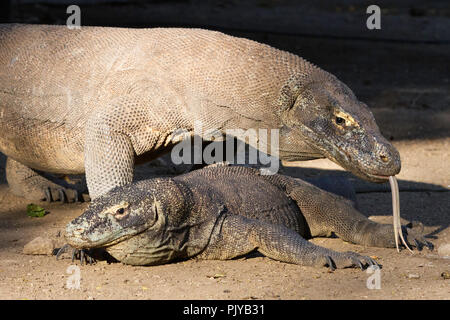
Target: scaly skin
(97, 100)
(223, 213)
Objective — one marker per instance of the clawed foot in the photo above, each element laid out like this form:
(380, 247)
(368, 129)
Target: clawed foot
(353, 259)
(40, 186)
(78, 254)
(413, 233)
(61, 194)
(348, 259)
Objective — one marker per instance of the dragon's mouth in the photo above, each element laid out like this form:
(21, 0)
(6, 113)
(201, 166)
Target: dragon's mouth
(377, 177)
(86, 240)
(346, 160)
(360, 171)
(292, 156)
(356, 169)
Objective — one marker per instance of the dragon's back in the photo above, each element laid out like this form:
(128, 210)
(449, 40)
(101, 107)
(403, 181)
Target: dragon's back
(243, 192)
(53, 78)
(55, 74)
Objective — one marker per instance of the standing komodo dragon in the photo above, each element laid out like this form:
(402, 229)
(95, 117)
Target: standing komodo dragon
(98, 100)
(223, 213)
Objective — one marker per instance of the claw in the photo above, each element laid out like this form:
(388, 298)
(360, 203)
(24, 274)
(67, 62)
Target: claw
(330, 263)
(75, 196)
(62, 196)
(61, 251)
(418, 245)
(373, 262)
(78, 254)
(48, 195)
(360, 265)
(429, 245)
(357, 262)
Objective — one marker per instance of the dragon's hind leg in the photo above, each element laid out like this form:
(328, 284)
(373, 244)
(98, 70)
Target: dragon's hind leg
(239, 235)
(327, 213)
(27, 183)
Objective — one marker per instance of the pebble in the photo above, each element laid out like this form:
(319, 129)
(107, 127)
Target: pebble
(413, 276)
(444, 250)
(39, 245)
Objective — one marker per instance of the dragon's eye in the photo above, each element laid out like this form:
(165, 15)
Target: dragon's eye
(121, 213)
(340, 121)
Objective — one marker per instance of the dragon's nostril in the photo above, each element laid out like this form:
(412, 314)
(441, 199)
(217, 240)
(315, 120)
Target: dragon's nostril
(384, 158)
(78, 231)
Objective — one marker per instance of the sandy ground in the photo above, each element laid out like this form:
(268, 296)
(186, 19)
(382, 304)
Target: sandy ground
(403, 276)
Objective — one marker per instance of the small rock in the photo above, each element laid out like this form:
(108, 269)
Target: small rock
(39, 245)
(413, 276)
(445, 275)
(444, 250)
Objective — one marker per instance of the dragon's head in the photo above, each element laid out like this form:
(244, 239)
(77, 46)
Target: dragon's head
(323, 118)
(114, 217)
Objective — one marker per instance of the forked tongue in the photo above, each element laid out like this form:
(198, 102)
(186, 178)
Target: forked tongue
(396, 213)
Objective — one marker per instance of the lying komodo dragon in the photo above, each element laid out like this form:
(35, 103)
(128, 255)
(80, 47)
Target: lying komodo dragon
(98, 100)
(223, 213)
